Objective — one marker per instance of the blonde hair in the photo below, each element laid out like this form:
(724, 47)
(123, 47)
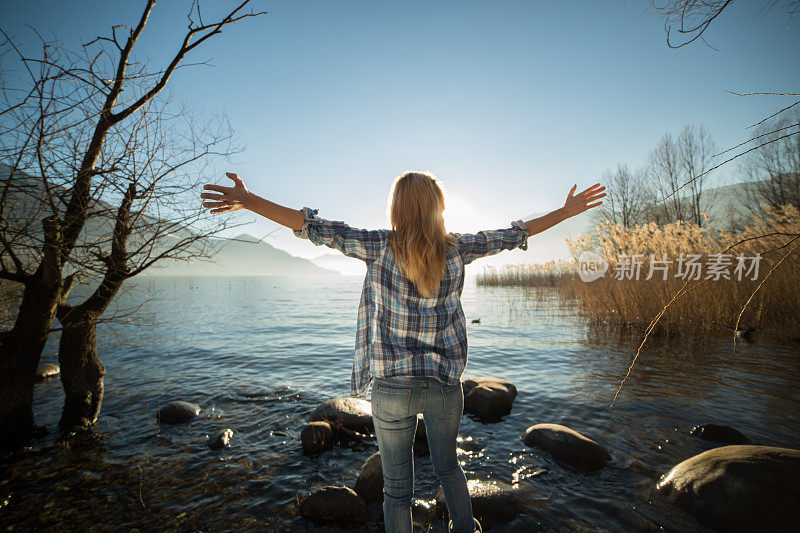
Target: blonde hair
(418, 239)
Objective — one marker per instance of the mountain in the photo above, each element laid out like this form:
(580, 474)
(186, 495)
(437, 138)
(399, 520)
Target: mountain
(243, 255)
(237, 256)
(341, 263)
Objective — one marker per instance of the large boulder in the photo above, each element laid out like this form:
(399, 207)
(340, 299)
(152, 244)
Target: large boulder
(340, 505)
(567, 446)
(316, 437)
(369, 485)
(177, 412)
(488, 397)
(47, 370)
(354, 414)
(495, 502)
(738, 488)
(719, 433)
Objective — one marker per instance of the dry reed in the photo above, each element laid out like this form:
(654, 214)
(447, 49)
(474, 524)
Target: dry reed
(705, 306)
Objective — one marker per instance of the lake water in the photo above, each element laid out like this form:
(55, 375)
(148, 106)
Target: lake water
(258, 354)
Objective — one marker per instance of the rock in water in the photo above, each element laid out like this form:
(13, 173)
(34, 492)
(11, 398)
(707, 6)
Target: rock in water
(178, 412)
(47, 370)
(351, 413)
(369, 484)
(335, 504)
(719, 433)
(738, 488)
(220, 439)
(567, 446)
(488, 397)
(316, 437)
(495, 502)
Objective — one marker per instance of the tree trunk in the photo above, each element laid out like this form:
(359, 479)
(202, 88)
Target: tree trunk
(20, 350)
(81, 371)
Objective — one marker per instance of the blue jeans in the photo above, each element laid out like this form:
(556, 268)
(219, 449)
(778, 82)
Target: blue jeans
(395, 404)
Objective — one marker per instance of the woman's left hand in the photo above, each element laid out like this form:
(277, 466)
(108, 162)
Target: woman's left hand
(229, 198)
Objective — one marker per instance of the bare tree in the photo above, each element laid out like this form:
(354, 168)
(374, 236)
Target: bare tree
(625, 197)
(696, 151)
(57, 126)
(774, 167)
(681, 165)
(161, 159)
(689, 19)
(665, 178)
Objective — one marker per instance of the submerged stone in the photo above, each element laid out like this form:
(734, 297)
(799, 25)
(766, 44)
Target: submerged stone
(316, 437)
(719, 433)
(488, 397)
(495, 502)
(340, 505)
(220, 439)
(47, 370)
(177, 412)
(369, 485)
(567, 446)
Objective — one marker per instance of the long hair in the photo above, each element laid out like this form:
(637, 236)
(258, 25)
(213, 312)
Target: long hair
(418, 239)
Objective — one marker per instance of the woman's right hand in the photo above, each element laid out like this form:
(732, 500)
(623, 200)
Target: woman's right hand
(577, 204)
(229, 198)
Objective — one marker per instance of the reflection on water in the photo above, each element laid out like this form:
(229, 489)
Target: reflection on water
(258, 354)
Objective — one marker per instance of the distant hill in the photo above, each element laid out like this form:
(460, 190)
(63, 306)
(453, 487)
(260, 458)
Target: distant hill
(243, 255)
(341, 263)
(239, 256)
(246, 255)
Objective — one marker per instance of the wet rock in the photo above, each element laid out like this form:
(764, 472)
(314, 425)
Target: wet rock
(567, 446)
(738, 488)
(47, 370)
(495, 502)
(178, 412)
(468, 445)
(369, 485)
(423, 510)
(488, 397)
(719, 433)
(340, 505)
(354, 414)
(220, 439)
(316, 437)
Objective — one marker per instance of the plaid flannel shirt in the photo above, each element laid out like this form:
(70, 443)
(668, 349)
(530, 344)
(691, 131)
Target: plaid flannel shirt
(399, 332)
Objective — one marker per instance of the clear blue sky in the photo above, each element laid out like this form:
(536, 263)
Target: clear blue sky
(509, 103)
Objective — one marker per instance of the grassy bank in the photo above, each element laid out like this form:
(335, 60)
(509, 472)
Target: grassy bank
(704, 305)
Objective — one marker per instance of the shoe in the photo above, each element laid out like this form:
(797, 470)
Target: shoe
(477, 526)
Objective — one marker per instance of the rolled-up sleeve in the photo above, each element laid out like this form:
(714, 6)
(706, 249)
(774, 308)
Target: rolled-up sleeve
(363, 244)
(473, 246)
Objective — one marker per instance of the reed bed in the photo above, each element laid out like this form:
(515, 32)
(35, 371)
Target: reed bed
(770, 303)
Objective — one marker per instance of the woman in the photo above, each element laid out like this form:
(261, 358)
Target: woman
(411, 335)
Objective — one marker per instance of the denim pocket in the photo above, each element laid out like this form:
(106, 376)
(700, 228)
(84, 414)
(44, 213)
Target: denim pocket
(391, 402)
(452, 398)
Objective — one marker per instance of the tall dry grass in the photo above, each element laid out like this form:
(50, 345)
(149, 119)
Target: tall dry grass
(704, 306)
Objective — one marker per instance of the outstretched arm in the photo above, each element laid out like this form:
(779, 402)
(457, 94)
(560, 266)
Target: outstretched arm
(229, 199)
(484, 243)
(574, 205)
(353, 242)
